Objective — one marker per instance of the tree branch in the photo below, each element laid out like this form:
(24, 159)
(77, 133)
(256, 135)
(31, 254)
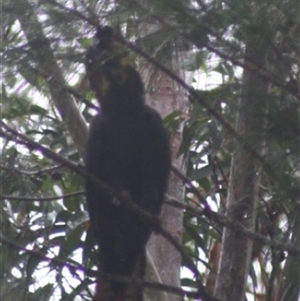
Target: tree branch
(201, 293)
(42, 199)
(47, 65)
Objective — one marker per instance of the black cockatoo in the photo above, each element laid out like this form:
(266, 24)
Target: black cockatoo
(128, 149)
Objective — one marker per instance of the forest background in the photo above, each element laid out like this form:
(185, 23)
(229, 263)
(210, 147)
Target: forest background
(225, 77)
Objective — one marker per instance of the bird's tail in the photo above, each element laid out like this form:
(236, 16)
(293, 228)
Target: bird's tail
(131, 291)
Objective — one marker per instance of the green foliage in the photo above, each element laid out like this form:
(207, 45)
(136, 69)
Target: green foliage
(42, 201)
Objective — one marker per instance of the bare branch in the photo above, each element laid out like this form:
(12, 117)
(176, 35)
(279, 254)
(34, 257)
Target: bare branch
(201, 293)
(42, 199)
(235, 226)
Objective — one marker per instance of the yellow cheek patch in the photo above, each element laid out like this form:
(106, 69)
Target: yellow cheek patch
(118, 60)
(121, 55)
(105, 85)
(127, 61)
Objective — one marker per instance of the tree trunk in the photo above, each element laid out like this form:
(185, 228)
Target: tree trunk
(244, 179)
(165, 257)
(51, 72)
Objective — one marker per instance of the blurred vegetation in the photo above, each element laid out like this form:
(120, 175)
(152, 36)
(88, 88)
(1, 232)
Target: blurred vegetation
(43, 208)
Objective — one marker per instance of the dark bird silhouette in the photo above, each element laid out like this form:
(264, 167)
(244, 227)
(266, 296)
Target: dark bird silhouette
(128, 149)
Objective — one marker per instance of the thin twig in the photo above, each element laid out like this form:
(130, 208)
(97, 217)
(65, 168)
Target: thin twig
(150, 219)
(73, 267)
(235, 226)
(42, 199)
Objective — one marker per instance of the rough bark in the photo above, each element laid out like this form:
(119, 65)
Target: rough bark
(167, 260)
(43, 55)
(244, 179)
